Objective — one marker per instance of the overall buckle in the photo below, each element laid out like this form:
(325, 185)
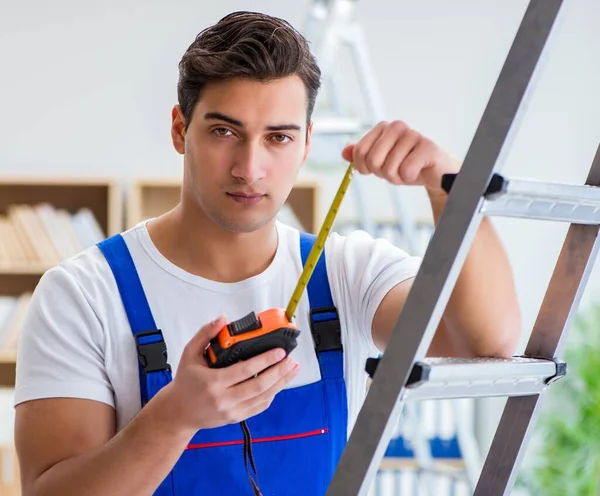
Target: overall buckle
(326, 329)
(152, 351)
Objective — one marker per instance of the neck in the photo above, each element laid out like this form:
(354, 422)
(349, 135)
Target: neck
(194, 243)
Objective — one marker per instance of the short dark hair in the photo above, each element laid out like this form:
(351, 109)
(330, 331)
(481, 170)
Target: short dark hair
(246, 45)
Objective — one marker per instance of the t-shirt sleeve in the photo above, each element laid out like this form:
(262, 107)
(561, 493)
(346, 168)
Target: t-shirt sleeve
(366, 269)
(61, 347)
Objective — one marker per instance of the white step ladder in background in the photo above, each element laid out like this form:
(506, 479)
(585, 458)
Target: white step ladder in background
(330, 28)
(403, 374)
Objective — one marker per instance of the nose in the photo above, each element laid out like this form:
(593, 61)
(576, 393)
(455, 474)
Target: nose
(249, 164)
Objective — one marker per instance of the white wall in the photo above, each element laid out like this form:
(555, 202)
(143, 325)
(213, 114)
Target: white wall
(87, 90)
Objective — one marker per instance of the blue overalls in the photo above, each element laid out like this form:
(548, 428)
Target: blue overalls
(297, 441)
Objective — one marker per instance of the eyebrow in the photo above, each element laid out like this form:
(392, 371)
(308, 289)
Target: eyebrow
(235, 122)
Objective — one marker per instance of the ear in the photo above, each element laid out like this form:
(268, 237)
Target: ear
(308, 141)
(178, 129)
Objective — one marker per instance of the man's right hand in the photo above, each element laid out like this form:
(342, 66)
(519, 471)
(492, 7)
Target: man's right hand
(204, 397)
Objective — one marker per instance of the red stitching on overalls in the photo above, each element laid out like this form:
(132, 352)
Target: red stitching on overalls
(257, 440)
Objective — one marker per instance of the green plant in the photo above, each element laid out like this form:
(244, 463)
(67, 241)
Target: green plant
(566, 459)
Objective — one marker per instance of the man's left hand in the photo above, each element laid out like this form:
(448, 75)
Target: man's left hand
(401, 155)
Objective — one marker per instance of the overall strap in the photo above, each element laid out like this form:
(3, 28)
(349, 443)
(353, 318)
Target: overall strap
(324, 319)
(154, 370)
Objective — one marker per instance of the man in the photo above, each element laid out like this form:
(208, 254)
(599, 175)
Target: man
(90, 420)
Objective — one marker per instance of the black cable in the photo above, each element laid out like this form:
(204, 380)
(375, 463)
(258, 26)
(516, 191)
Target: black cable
(249, 456)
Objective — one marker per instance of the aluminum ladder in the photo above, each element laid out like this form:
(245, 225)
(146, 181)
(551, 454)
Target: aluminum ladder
(403, 374)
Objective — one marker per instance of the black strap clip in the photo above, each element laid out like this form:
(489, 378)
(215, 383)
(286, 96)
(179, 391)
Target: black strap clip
(326, 329)
(152, 352)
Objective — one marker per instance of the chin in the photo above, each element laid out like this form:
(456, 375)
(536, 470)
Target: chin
(242, 224)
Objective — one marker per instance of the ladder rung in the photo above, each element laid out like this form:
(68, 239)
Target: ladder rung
(339, 125)
(579, 204)
(446, 378)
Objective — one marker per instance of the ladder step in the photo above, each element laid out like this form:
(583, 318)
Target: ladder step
(578, 204)
(448, 378)
(339, 125)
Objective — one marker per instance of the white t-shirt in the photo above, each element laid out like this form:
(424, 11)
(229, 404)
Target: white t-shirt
(77, 342)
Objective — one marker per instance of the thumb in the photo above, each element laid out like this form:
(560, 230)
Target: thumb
(201, 339)
(348, 151)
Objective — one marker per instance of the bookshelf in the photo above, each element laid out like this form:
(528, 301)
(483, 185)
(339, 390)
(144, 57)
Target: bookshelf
(152, 197)
(36, 217)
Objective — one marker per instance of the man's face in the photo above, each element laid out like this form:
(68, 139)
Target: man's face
(243, 149)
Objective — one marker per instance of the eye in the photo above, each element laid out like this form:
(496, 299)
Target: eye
(221, 131)
(281, 138)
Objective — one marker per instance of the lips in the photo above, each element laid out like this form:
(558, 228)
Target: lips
(246, 195)
(246, 198)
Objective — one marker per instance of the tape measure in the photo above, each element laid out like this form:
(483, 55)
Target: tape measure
(256, 333)
(317, 249)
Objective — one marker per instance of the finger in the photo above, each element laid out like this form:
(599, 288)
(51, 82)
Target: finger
(258, 386)
(416, 161)
(201, 339)
(348, 151)
(394, 161)
(379, 151)
(361, 149)
(250, 394)
(268, 394)
(246, 369)
(241, 415)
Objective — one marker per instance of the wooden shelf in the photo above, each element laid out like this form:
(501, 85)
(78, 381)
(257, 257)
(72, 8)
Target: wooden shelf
(152, 197)
(8, 362)
(103, 197)
(8, 356)
(24, 269)
(8, 373)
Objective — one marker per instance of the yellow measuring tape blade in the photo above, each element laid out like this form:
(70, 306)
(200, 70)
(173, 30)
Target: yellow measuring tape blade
(317, 248)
